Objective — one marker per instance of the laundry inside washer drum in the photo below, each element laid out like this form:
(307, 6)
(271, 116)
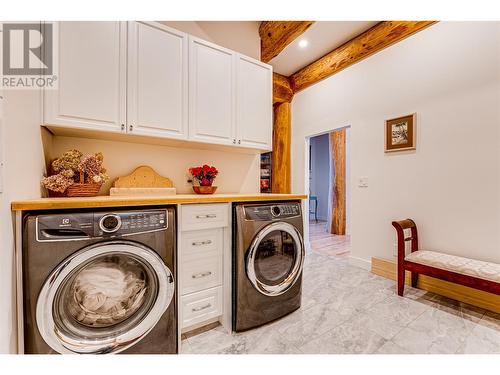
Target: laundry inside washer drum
(107, 292)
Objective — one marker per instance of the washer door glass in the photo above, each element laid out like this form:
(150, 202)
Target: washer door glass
(275, 258)
(104, 298)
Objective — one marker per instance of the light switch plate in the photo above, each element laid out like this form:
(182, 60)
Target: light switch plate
(363, 181)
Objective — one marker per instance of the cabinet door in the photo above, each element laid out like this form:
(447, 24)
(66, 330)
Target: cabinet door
(211, 93)
(254, 103)
(157, 81)
(92, 77)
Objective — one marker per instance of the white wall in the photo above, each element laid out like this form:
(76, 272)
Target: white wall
(449, 74)
(238, 173)
(24, 167)
(320, 173)
(240, 36)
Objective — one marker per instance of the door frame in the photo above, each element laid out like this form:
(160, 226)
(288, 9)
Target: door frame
(307, 144)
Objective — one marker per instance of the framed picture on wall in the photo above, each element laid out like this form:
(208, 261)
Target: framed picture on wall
(400, 133)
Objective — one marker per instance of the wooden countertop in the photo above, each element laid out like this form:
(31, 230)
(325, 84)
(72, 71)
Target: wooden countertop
(114, 201)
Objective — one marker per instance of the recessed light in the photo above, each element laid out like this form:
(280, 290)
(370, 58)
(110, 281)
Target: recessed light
(303, 43)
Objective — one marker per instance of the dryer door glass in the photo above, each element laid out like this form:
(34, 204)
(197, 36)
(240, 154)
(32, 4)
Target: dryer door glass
(104, 298)
(275, 258)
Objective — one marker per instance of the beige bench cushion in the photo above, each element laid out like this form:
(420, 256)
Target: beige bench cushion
(465, 266)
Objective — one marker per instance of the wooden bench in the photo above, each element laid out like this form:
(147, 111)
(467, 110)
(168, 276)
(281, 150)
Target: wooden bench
(468, 272)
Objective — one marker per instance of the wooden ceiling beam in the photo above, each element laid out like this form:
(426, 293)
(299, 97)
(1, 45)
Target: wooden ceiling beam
(282, 90)
(276, 35)
(378, 37)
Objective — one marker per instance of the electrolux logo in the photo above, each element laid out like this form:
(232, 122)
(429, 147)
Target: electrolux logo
(28, 55)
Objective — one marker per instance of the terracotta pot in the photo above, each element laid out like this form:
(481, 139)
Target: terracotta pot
(204, 189)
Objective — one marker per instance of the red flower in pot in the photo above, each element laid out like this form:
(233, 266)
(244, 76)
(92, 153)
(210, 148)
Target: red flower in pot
(205, 176)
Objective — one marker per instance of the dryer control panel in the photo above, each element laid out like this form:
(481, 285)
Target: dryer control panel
(64, 227)
(272, 211)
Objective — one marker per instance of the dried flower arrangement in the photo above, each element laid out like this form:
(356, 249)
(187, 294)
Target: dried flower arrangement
(76, 176)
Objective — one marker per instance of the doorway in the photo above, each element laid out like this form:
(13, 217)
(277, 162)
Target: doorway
(329, 192)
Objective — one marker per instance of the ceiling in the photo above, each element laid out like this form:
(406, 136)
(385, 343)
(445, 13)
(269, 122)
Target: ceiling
(323, 37)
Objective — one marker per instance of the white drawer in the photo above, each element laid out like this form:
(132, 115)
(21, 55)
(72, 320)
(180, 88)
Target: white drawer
(201, 273)
(200, 243)
(198, 307)
(204, 216)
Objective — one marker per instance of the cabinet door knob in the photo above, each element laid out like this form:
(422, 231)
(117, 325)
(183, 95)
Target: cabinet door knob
(123, 127)
(239, 141)
(234, 141)
(130, 128)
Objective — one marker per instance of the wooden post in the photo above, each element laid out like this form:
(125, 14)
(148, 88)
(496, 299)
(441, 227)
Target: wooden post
(282, 91)
(281, 156)
(337, 149)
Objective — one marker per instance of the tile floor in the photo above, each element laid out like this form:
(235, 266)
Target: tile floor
(325, 243)
(346, 309)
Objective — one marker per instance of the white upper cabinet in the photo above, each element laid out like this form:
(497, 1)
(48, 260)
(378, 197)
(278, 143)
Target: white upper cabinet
(147, 79)
(254, 103)
(211, 92)
(91, 79)
(157, 80)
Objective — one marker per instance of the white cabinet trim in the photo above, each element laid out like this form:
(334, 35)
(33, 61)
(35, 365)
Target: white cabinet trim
(216, 259)
(204, 216)
(133, 125)
(267, 144)
(200, 307)
(53, 114)
(194, 132)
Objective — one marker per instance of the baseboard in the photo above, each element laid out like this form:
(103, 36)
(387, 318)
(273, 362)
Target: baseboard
(489, 301)
(360, 262)
(201, 329)
(200, 326)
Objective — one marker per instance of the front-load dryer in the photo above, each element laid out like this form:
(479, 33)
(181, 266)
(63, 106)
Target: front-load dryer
(268, 256)
(100, 282)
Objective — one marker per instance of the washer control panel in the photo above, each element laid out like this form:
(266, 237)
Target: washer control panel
(272, 211)
(64, 227)
(124, 223)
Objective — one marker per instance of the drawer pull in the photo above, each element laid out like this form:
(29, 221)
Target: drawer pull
(202, 274)
(201, 243)
(207, 216)
(195, 309)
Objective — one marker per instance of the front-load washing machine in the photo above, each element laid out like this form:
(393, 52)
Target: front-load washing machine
(100, 282)
(268, 255)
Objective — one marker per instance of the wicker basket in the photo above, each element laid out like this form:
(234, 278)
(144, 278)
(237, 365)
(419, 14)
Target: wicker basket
(78, 189)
